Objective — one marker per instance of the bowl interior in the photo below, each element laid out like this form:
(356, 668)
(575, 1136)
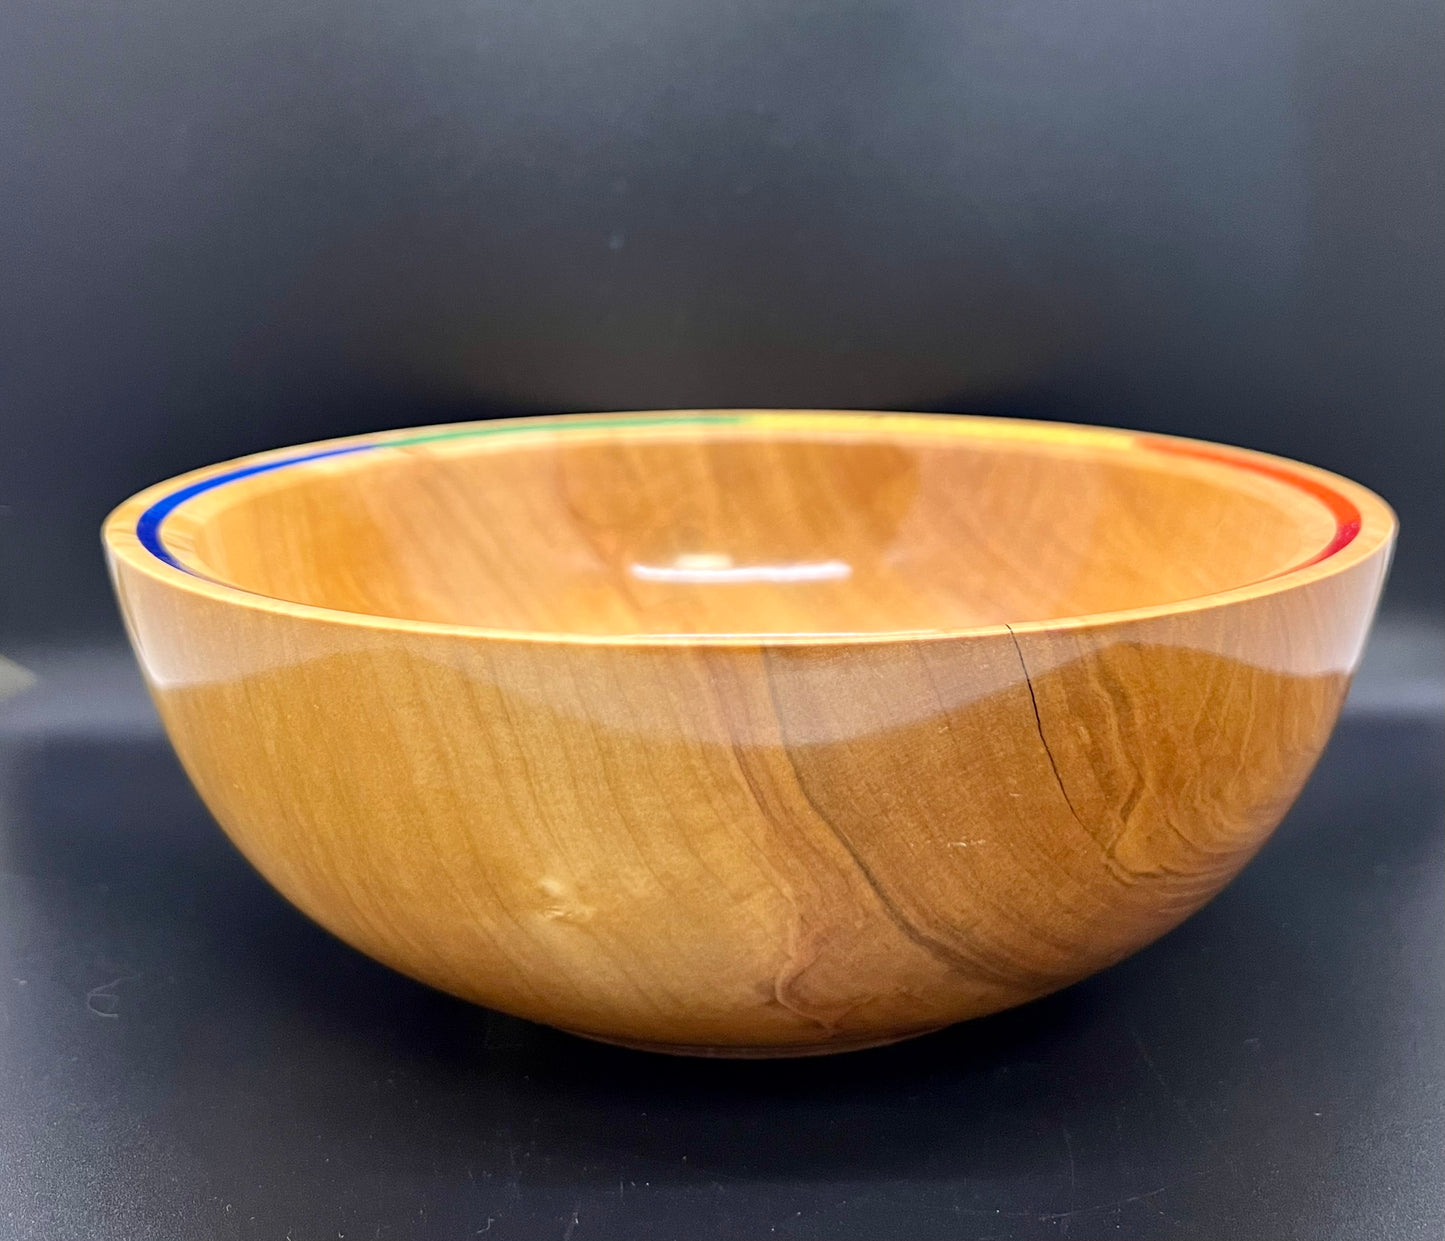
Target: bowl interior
(729, 530)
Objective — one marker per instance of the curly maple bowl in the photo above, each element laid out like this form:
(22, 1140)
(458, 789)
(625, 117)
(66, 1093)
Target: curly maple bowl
(750, 733)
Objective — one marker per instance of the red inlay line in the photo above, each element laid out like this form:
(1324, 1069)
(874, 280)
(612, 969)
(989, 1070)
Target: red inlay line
(1346, 513)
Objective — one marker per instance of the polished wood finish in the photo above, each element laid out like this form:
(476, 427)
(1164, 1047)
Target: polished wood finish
(753, 734)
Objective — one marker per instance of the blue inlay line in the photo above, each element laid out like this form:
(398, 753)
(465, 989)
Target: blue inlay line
(148, 527)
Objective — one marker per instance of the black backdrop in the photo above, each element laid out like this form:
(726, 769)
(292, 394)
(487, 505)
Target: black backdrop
(228, 226)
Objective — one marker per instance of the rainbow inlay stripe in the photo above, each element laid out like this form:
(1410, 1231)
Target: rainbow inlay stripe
(1346, 513)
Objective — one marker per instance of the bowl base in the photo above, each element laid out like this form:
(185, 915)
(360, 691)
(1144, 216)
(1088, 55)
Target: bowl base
(766, 1051)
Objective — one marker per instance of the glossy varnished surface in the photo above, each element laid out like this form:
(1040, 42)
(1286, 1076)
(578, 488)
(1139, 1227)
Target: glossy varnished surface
(695, 529)
(754, 844)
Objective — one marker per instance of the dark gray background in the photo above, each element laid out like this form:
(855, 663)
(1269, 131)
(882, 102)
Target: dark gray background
(229, 226)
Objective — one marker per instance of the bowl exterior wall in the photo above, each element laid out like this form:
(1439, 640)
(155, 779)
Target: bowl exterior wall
(750, 847)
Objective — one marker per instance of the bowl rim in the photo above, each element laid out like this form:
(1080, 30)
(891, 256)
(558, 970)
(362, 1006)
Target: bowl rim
(1365, 524)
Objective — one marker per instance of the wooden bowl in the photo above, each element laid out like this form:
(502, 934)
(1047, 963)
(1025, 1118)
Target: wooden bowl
(750, 733)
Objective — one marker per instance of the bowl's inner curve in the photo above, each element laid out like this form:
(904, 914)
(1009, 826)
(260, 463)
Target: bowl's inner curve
(739, 534)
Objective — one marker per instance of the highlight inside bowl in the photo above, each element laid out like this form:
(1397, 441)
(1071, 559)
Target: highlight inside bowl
(724, 527)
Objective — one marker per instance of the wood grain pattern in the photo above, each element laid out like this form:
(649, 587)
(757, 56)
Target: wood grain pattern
(751, 734)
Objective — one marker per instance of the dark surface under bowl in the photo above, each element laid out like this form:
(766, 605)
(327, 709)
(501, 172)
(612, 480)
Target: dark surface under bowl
(182, 1054)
